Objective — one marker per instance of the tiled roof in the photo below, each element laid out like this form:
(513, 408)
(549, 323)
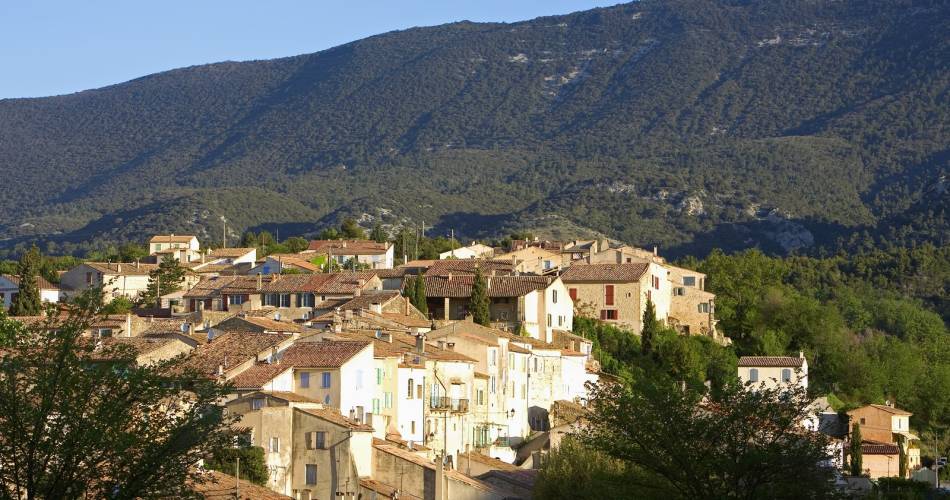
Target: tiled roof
(229, 285)
(492, 462)
(171, 238)
(257, 323)
(123, 268)
(221, 486)
(567, 412)
(408, 321)
(524, 478)
(385, 490)
(467, 266)
(327, 354)
(321, 283)
(420, 263)
(412, 457)
(622, 273)
(163, 326)
(222, 253)
(498, 286)
(397, 272)
(878, 448)
(771, 361)
(891, 410)
(334, 417)
(518, 349)
(230, 350)
(41, 282)
(258, 375)
(293, 259)
(365, 300)
(348, 247)
(142, 345)
(569, 352)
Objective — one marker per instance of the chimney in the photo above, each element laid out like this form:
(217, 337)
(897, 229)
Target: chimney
(357, 292)
(260, 281)
(118, 268)
(801, 354)
(420, 344)
(450, 276)
(376, 307)
(655, 251)
(406, 299)
(220, 370)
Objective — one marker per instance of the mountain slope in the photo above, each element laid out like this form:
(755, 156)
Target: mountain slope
(778, 124)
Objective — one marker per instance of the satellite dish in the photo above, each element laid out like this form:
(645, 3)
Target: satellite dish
(184, 327)
(277, 316)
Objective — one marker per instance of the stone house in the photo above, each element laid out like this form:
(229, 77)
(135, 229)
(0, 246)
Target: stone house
(371, 254)
(183, 248)
(618, 293)
(473, 251)
(774, 371)
(533, 260)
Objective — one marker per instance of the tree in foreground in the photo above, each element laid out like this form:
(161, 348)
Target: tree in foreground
(253, 467)
(677, 442)
(80, 419)
(856, 456)
(651, 328)
(27, 300)
(575, 471)
(479, 303)
(166, 278)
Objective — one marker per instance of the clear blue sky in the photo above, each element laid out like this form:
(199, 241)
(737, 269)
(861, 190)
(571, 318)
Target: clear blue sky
(62, 46)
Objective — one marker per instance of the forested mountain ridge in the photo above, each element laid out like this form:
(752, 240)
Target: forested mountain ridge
(678, 123)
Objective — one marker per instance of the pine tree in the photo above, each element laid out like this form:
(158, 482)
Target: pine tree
(902, 456)
(479, 300)
(650, 329)
(419, 295)
(27, 301)
(857, 459)
(165, 279)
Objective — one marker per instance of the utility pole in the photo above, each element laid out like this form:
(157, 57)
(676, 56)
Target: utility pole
(237, 477)
(224, 232)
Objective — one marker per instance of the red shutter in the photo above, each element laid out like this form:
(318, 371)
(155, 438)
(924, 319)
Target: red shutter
(609, 295)
(603, 314)
(573, 293)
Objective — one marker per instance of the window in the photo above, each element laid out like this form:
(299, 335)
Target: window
(786, 375)
(326, 380)
(285, 300)
(321, 440)
(549, 319)
(376, 405)
(560, 321)
(753, 375)
(689, 280)
(608, 314)
(305, 300)
(236, 299)
(359, 379)
(679, 291)
(311, 473)
(379, 376)
(609, 295)
(271, 299)
(554, 296)
(274, 444)
(704, 307)
(412, 426)
(862, 421)
(572, 292)
(88, 278)
(535, 365)
(511, 361)
(257, 403)
(419, 391)
(326, 399)
(388, 396)
(409, 391)
(491, 381)
(304, 380)
(656, 283)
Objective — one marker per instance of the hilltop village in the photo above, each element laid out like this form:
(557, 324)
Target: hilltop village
(442, 378)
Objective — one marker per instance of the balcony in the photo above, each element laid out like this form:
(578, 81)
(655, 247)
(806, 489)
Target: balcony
(456, 405)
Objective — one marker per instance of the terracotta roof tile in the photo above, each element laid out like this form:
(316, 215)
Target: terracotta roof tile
(230, 350)
(334, 417)
(222, 253)
(221, 486)
(258, 375)
(771, 361)
(122, 268)
(467, 266)
(622, 273)
(41, 282)
(498, 286)
(327, 354)
(321, 283)
(492, 462)
(348, 247)
(171, 238)
(878, 448)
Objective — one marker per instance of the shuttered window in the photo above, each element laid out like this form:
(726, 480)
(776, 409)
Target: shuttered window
(609, 295)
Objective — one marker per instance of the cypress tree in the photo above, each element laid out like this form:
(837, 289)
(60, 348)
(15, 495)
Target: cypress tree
(27, 301)
(650, 328)
(902, 457)
(377, 234)
(479, 300)
(419, 294)
(857, 459)
(409, 289)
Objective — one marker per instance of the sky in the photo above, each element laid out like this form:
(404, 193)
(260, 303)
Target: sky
(63, 46)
